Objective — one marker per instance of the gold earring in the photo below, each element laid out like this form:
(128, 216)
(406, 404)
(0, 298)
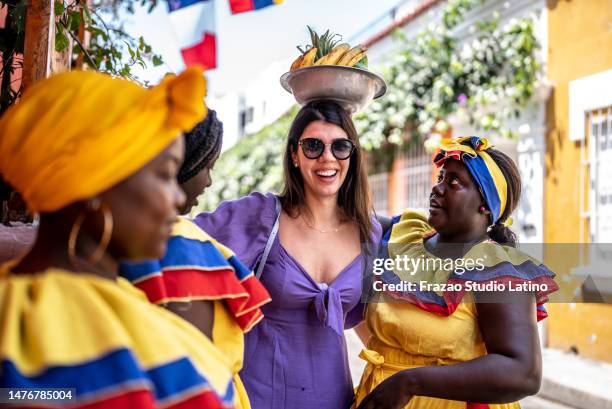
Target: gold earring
(104, 240)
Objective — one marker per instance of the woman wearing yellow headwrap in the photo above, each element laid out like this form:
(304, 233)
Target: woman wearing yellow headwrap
(97, 157)
(447, 333)
(199, 279)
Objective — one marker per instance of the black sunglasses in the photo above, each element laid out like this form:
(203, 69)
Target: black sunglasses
(313, 148)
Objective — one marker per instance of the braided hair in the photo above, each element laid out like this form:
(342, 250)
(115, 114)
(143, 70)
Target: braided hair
(202, 144)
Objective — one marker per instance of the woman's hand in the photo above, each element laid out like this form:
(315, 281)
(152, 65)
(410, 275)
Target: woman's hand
(390, 394)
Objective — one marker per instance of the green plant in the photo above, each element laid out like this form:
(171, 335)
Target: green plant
(109, 48)
(109, 44)
(11, 46)
(488, 79)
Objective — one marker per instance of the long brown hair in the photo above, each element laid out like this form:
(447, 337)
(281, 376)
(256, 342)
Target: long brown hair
(354, 195)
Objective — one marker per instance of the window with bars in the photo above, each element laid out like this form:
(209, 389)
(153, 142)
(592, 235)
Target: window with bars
(379, 184)
(415, 177)
(411, 182)
(599, 130)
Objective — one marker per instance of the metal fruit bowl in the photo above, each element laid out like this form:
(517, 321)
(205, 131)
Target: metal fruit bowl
(352, 88)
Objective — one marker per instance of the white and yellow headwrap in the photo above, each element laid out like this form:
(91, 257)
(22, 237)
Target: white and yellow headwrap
(77, 134)
(472, 151)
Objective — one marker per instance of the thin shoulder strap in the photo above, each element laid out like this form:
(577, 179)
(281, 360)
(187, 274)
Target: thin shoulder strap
(273, 233)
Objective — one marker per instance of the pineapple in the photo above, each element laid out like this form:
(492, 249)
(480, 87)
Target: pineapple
(326, 50)
(324, 43)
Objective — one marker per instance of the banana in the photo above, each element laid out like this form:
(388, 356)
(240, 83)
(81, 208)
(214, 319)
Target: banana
(297, 62)
(334, 55)
(346, 58)
(356, 59)
(308, 57)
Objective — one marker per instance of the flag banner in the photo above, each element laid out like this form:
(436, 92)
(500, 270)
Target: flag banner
(174, 5)
(241, 6)
(203, 53)
(195, 27)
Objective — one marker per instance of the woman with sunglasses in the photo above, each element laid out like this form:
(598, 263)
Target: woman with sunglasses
(296, 357)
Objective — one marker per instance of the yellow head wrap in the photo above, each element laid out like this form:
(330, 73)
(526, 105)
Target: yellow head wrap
(77, 134)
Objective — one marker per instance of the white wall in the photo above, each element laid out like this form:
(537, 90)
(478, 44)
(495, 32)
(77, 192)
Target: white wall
(226, 107)
(267, 97)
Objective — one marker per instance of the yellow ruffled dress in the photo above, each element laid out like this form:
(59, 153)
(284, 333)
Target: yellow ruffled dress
(408, 335)
(197, 267)
(106, 341)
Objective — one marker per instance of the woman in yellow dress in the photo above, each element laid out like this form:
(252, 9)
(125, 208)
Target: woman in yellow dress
(97, 158)
(446, 330)
(198, 278)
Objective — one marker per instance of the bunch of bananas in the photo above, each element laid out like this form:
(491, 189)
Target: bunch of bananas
(325, 50)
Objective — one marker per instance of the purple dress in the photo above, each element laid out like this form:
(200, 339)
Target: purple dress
(296, 357)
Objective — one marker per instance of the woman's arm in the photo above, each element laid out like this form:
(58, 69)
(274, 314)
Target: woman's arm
(510, 371)
(199, 313)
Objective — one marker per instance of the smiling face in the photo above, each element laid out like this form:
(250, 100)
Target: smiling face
(325, 175)
(455, 201)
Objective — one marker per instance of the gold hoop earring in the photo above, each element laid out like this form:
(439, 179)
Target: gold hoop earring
(104, 240)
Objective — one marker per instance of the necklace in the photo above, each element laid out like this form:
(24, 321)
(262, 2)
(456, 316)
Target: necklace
(336, 230)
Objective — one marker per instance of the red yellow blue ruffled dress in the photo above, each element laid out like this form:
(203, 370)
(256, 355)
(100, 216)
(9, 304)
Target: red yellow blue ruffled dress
(411, 329)
(197, 267)
(103, 338)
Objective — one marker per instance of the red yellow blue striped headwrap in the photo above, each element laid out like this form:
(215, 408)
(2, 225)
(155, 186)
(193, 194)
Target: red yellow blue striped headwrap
(472, 151)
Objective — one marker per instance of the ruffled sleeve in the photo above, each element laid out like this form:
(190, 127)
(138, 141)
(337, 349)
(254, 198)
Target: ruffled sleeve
(511, 268)
(66, 330)
(407, 228)
(494, 267)
(242, 225)
(197, 267)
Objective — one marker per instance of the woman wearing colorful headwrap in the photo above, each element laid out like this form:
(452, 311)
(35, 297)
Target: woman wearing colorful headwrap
(444, 346)
(199, 279)
(97, 158)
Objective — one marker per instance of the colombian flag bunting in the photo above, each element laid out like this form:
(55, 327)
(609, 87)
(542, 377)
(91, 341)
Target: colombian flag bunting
(240, 6)
(195, 27)
(174, 5)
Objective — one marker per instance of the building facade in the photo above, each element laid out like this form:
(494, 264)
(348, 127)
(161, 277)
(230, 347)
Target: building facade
(564, 153)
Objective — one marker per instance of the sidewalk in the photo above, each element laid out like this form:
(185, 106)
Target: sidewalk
(575, 381)
(568, 381)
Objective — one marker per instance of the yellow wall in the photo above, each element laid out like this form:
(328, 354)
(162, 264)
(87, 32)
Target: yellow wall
(579, 44)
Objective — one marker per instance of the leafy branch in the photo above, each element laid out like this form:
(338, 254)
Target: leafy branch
(93, 31)
(487, 79)
(11, 46)
(107, 42)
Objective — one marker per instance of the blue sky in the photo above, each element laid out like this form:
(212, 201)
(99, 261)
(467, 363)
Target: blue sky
(248, 43)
